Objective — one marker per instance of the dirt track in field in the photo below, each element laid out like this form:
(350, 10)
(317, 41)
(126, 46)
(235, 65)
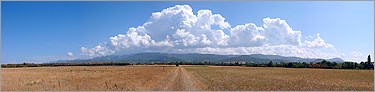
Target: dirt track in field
(179, 80)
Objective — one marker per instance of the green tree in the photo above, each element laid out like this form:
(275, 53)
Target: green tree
(369, 59)
(305, 65)
(334, 64)
(270, 64)
(290, 65)
(323, 63)
(369, 65)
(361, 65)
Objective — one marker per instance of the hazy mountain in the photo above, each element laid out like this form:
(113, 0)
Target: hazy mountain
(336, 60)
(194, 57)
(259, 58)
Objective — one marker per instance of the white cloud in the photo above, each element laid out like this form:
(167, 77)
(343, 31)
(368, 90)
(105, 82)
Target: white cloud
(247, 35)
(285, 50)
(356, 56)
(70, 54)
(279, 32)
(317, 43)
(99, 50)
(177, 29)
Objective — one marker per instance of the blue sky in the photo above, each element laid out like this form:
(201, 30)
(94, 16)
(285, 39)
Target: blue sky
(43, 31)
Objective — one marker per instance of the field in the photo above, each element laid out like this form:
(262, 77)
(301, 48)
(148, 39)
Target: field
(85, 78)
(138, 78)
(283, 79)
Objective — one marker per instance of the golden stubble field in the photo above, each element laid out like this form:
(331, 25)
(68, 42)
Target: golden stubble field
(148, 78)
(86, 78)
(283, 79)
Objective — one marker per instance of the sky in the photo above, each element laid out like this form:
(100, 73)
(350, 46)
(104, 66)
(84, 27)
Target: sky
(39, 32)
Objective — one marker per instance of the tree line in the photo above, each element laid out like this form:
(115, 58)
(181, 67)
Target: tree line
(322, 64)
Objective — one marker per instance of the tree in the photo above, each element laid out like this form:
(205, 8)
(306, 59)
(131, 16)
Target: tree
(361, 65)
(270, 64)
(236, 63)
(323, 63)
(305, 65)
(369, 64)
(369, 59)
(290, 64)
(348, 65)
(334, 64)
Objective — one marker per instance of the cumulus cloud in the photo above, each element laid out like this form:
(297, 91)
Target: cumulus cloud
(280, 32)
(96, 51)
(247, 35)
(70, 54)
(357, 56)
(317, 43)
(177, 29)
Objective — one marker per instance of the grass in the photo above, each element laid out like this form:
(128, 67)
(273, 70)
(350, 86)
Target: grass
(283, 79)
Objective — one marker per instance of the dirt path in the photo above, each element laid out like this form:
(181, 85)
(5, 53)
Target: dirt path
(179, 80)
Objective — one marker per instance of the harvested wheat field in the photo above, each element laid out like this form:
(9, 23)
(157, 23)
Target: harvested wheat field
(283, 79)
(187, 78)
(98, 78)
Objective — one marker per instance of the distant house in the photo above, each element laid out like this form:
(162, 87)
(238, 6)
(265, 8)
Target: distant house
(315, 65)
(234, 62)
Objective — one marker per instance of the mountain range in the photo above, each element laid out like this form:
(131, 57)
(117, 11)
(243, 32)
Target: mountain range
(195, 57)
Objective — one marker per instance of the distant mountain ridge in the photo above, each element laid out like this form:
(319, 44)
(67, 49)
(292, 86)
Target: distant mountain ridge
(195, 57)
